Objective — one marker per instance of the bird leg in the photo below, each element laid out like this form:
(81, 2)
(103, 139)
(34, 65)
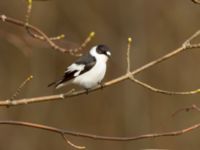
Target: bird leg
(101, 85)
(87, 91)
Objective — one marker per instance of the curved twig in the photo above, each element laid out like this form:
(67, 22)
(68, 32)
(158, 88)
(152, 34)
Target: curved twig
(34, 35)
(72, 144)
(97, 137)
(5, 18)
(187, 109)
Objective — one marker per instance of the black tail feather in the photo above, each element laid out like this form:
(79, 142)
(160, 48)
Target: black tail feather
(68, 76)
(51, 84)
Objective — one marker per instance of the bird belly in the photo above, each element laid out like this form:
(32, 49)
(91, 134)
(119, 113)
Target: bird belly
(91, 78)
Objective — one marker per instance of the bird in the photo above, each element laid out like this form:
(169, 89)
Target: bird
(88, 70)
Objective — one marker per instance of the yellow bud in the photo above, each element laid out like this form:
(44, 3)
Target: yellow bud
(129, 39)
(62, 36)
(29, 2)
(92, 34)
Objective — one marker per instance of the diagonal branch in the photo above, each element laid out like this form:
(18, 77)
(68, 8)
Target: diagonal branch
(21, 87)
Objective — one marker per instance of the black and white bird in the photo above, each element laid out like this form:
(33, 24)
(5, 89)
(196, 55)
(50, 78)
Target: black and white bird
(88, 71)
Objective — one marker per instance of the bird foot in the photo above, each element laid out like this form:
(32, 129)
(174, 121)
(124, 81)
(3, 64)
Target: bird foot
(87, 91)
(101, 85)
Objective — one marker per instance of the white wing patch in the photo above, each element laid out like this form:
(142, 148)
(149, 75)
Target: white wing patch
(75, 67)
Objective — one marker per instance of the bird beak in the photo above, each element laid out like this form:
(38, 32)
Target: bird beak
(108, 54)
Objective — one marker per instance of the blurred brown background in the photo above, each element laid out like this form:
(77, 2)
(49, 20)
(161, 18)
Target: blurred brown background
(125, 109)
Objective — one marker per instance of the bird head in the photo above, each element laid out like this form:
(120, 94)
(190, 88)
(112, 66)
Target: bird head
(103, 50)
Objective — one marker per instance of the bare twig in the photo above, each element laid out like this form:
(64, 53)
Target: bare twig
(83, 45)
(128, 70)
(72, 144)
(21, 87)
(5, 18)
(187, 43)
(40, 37)
(34, 35)
(187, 109)
(98, 137)
(151, 88)
(126, 76)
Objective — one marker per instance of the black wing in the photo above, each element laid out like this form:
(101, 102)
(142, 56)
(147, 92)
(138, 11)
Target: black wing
(87, 61)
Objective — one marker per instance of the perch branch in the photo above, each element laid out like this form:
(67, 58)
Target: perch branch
(185, 46)
(98, 137)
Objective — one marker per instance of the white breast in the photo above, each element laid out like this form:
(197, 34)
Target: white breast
(94, 76)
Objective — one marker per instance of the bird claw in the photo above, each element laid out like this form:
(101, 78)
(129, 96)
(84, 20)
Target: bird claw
(101, 85)
(87, 91)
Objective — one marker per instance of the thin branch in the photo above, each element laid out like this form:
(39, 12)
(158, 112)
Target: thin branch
(83, 45)
(5, 18)
(21, 87)
(187, 43)
(37, 36)
(124, 77)
(98, 137)
(151, 88)
(187, 109)
(128, 56)
(189, 40)
(72, 144)
(34, 35)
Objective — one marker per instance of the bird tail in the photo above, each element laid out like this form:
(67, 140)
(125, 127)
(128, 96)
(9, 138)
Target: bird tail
(55, 83)
(65, 80)
(52, 84)
(59, 83)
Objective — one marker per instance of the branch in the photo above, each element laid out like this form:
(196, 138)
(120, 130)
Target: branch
(130, 75)
(34, 35)
(30, 27)
(98, 137)
(187, 109)
(21, 87)
(149, 87)
(72, 144)
(73, 52)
